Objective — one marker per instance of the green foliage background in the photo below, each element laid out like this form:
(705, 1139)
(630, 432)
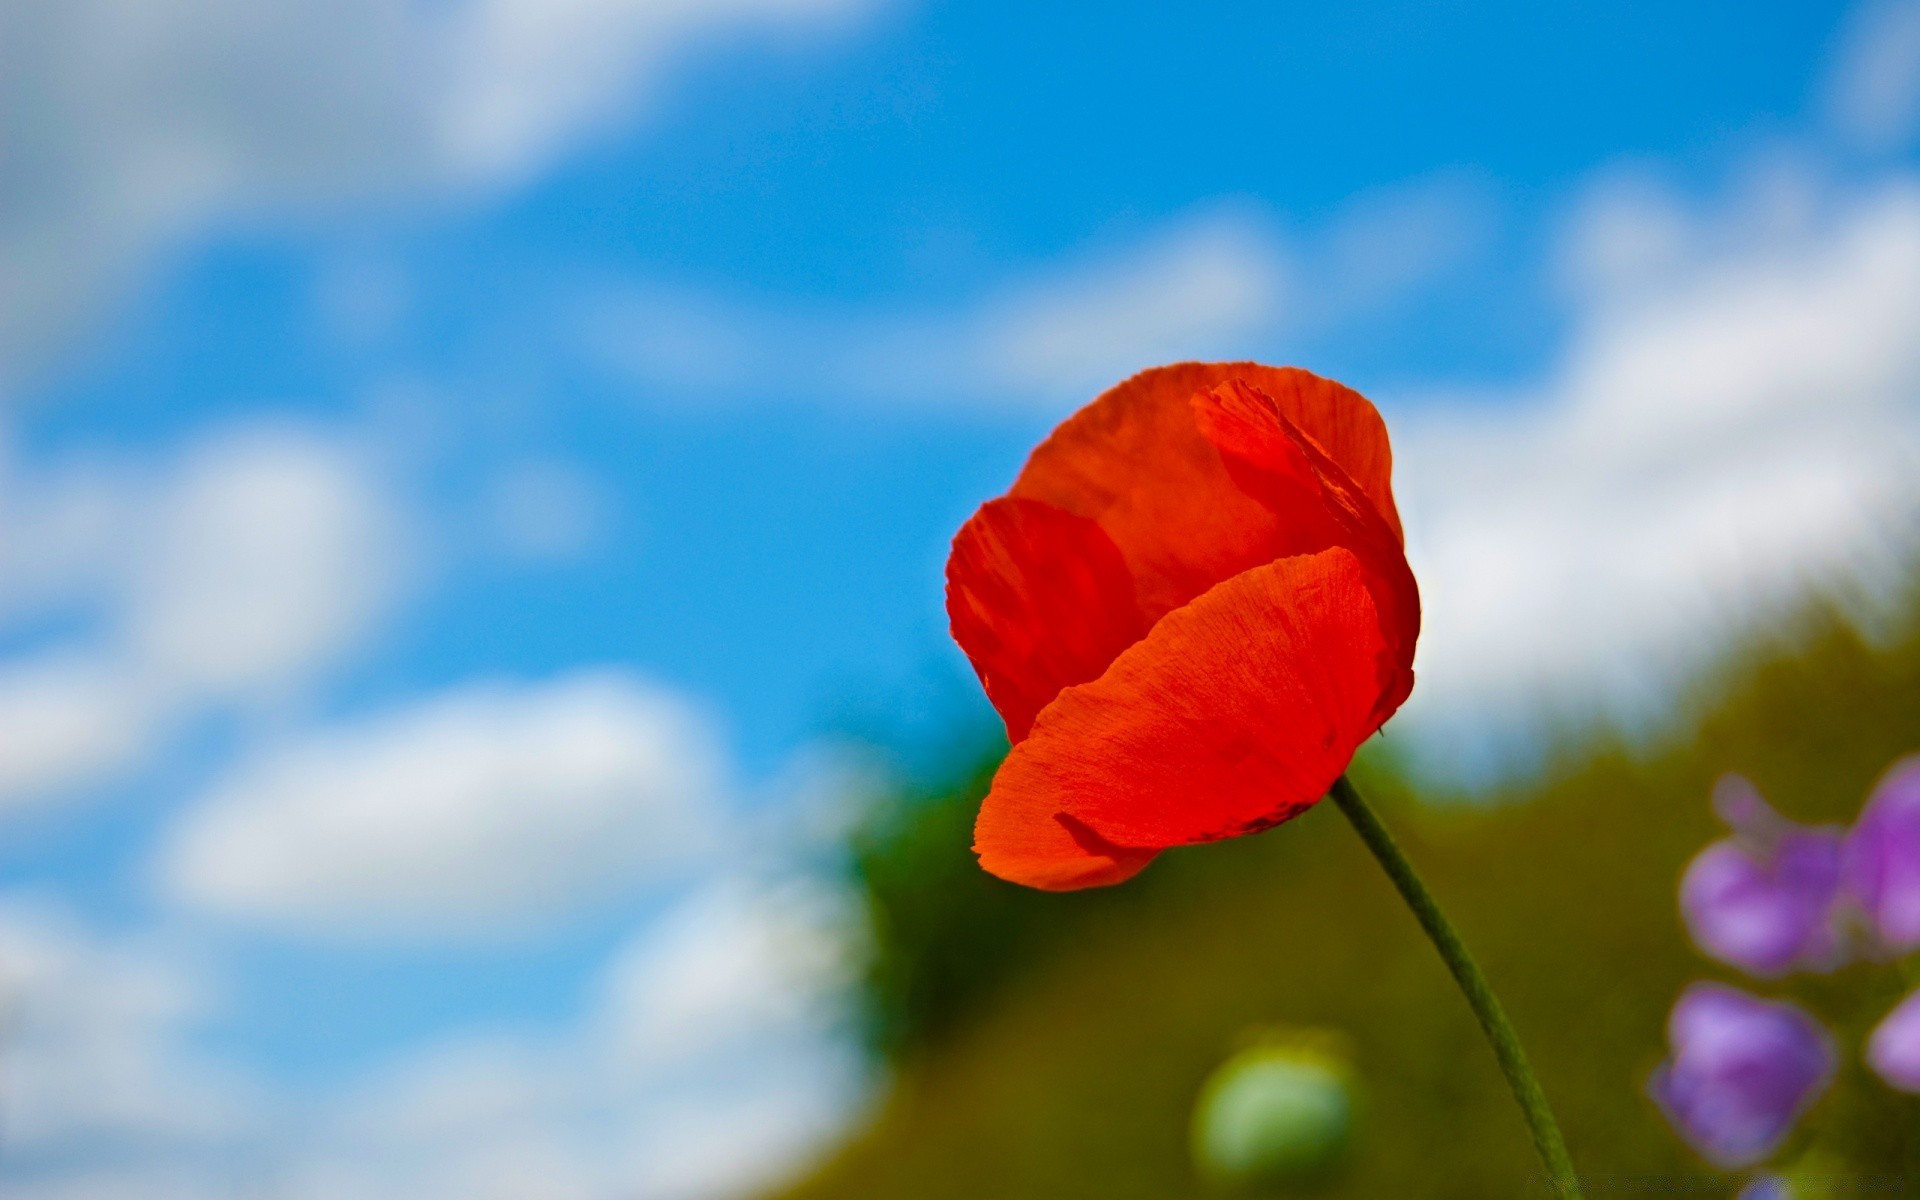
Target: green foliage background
(1051, 1046)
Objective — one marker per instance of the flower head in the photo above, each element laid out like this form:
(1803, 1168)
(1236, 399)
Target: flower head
(1763, 900)
(1741, 1073)
(1893, 1048)
(1277, 1115)
(1190, 609)
(1882, 861)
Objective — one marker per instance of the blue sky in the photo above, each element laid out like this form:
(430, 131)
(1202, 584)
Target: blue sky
(914, 161)
(559, 413)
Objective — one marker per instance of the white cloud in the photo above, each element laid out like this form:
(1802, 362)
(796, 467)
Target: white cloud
(1627, 231)
(1387, 244)
(1727, 428)
(107, 1098)
(270, 555)
(738, 962)
(135, 122)
(69, 722)
(161, 1182)
(239, 571)
(93, 1043)
(640, 1100)
(474, 812)
(1873, 87)
(523, 77)
(1196, 290)
(1222, 282)
(1204, 284)
(61, 529)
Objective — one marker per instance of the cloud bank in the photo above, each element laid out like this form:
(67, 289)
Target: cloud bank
(1222, 281)
(476, 812)
(133, 123)
(1733, 424)
(705, 1057)
(237, 571)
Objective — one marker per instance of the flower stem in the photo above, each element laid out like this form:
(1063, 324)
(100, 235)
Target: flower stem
(1486, 1006)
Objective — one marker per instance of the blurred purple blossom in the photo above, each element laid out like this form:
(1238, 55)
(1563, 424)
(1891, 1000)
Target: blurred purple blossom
(1893, 1049)
(1766, 1187)
(1742, 1071)
(1764, 899)
(1881, 864)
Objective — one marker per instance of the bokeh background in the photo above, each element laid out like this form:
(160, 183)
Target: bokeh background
(476, 721)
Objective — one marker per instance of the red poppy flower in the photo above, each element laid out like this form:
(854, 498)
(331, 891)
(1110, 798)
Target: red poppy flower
(1190, 609)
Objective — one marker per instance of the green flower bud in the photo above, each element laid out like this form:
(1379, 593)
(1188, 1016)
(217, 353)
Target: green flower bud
(1276, 1117)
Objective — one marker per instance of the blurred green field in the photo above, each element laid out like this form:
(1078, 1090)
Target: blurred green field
(1051, 1046)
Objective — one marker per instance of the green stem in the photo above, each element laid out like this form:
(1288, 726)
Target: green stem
(1466, 972)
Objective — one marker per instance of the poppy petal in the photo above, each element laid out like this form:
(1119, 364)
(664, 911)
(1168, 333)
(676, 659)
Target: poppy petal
(1272, 459)
(1233, 714)
(1039, 599)
(1135, 461)
(1342, 423)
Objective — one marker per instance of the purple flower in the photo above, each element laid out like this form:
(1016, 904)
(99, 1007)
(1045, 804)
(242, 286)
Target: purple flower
(1763, 899)
(1766, 1187)
(1882, 860)
(1893, 1049)
(1742, 1071)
